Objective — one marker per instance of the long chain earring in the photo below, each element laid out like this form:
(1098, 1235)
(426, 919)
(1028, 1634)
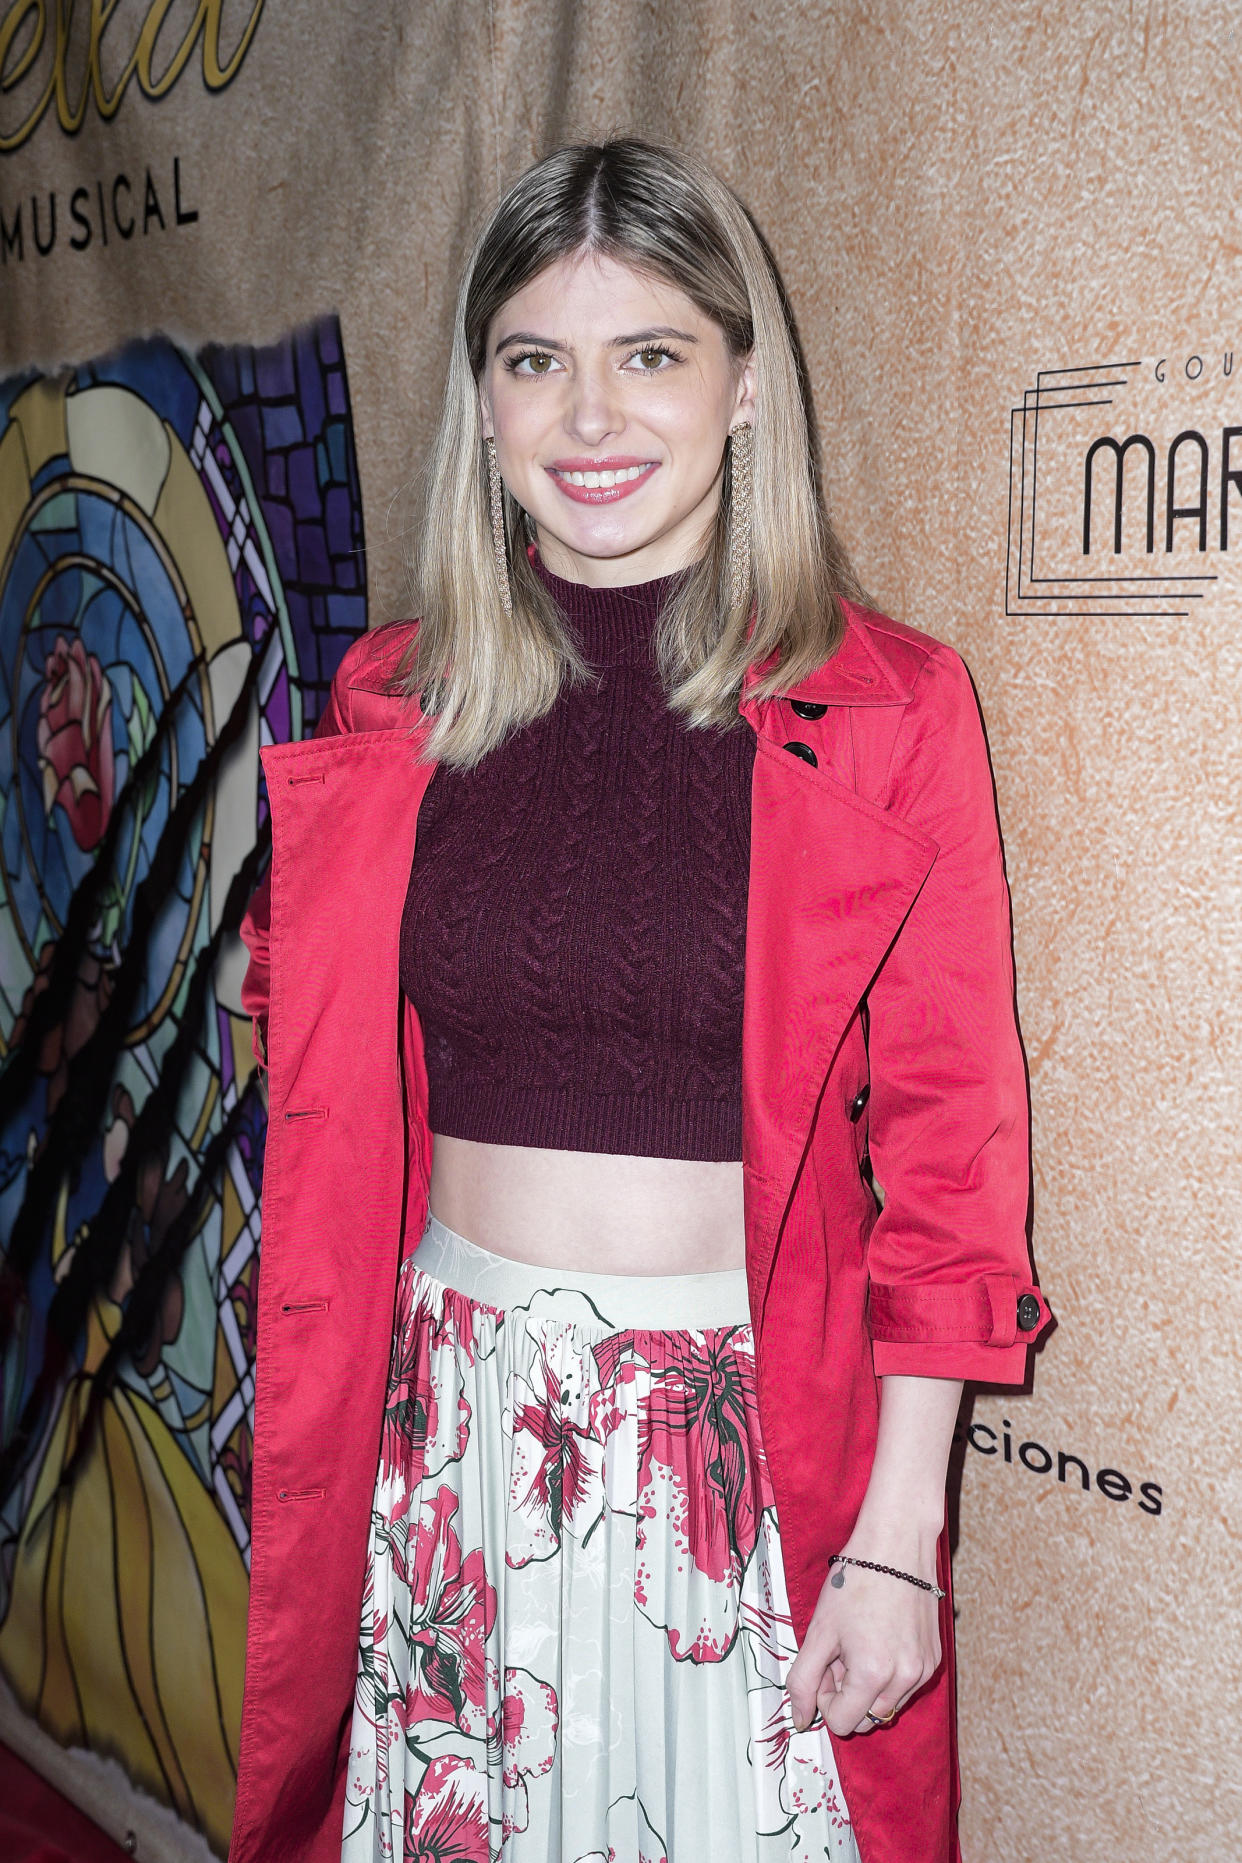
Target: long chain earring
(740, 459)
(496, 499)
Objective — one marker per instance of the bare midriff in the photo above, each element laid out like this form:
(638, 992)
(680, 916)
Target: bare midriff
(591, 1212)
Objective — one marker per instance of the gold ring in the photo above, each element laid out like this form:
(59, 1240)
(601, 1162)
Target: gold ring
(882, 1720)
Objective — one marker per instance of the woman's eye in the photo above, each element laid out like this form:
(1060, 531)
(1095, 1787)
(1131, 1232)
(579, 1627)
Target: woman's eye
(532, 362)
(651, 359)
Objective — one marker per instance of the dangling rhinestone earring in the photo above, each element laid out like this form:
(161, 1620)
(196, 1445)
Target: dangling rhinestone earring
(496, 499)
(740, 454)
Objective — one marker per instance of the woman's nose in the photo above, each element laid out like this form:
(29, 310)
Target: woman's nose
(594, 413)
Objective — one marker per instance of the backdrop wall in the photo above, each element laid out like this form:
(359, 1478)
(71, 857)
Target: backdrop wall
(1008, 235)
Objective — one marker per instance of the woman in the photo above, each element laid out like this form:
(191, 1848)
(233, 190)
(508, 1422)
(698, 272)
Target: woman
(676, 1070)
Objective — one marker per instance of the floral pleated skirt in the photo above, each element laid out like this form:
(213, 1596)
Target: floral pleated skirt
(575, 1632)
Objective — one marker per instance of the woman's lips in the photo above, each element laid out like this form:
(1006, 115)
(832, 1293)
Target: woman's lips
(625, 476)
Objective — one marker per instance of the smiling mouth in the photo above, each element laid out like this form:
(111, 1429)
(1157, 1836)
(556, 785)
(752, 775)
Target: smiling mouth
(601, 485)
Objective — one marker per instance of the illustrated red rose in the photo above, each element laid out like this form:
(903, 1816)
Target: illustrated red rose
(75, 741)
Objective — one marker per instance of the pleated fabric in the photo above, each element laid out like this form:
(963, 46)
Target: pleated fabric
(575, 1633)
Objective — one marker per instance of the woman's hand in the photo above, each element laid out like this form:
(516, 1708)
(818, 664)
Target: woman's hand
(872, 1642)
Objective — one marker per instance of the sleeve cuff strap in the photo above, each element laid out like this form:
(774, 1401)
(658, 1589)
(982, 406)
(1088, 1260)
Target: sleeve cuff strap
(995, 1310)
(976, 1364)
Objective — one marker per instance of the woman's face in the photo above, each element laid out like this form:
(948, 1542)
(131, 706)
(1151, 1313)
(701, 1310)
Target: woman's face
(597, 373)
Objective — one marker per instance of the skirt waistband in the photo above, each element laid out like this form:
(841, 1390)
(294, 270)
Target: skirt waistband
(653, 1302)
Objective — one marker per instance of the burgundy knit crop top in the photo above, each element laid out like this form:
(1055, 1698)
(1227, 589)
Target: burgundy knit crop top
(574, 933)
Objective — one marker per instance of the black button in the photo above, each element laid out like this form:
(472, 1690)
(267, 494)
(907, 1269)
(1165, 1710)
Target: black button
(859, 1101)
(804, 751)
(804, 708)
(1028, 1313)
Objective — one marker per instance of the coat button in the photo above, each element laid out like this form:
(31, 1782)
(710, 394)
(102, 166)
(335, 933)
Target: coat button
(804, 751)
(1028, 1313)
(859, 1101)
(804, 708)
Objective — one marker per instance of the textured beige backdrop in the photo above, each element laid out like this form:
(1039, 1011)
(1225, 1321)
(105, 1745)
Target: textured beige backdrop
(958, 202)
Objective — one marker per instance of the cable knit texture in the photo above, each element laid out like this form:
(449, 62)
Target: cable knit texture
(574, 933)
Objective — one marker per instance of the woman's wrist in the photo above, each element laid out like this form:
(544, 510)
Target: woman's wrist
(890, 1514)
(901, 1541)
(902, 1513)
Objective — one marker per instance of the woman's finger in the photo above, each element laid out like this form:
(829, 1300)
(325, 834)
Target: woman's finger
(882, 1713)
(834, 1676)
(827, 1695)
(812, 1672)
(865, 1682)
(905, 1682)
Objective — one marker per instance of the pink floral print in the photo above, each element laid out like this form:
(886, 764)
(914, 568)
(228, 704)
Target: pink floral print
(574, 1571)
(446, 1820)
(699, 1422)
(702, 1467)
(423, 1432)
(528, 1741)
(452, 1608)
(555, 1485)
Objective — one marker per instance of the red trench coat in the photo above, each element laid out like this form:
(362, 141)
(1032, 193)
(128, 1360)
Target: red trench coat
(877, 953)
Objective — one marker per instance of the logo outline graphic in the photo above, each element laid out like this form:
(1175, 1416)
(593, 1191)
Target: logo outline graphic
(1024, 587)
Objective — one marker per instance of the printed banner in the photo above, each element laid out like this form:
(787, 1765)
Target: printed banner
(181, 545)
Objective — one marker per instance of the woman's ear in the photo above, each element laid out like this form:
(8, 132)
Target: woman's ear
(486, 413)
(744, 407)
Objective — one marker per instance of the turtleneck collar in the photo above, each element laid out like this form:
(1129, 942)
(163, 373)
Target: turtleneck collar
(613, 626)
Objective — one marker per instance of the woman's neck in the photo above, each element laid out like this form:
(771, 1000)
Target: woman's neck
(613, 624)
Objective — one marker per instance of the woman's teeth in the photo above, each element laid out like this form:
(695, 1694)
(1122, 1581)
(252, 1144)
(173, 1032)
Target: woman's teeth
(594, 479)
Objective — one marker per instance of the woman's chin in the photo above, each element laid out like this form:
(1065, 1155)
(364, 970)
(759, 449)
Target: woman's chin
(600, 549)
(592, 547)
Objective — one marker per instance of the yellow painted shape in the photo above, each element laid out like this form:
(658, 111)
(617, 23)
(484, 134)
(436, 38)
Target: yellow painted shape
(231, 1217)
(244, 1063)
(224, 1380)
(187, 523)
(39, 413)
(127, 1616)
(14, 486)
(199, 1135)
(117, 437)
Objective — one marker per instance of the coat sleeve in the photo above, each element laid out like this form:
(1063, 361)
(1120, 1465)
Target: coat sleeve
(335, 719)
(951, 1294)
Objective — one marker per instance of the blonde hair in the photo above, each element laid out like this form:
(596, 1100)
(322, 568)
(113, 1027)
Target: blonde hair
(484, 672)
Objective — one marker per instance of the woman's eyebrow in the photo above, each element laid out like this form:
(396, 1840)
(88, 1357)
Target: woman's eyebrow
(528, 336)
(657, 329)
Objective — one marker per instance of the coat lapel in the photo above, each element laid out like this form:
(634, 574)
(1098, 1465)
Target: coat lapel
(832, 877)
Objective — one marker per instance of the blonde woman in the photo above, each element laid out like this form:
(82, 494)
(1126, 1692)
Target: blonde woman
(647, 1161)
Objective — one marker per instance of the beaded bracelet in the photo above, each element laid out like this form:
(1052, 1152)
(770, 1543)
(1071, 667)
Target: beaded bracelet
(889, 1571)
